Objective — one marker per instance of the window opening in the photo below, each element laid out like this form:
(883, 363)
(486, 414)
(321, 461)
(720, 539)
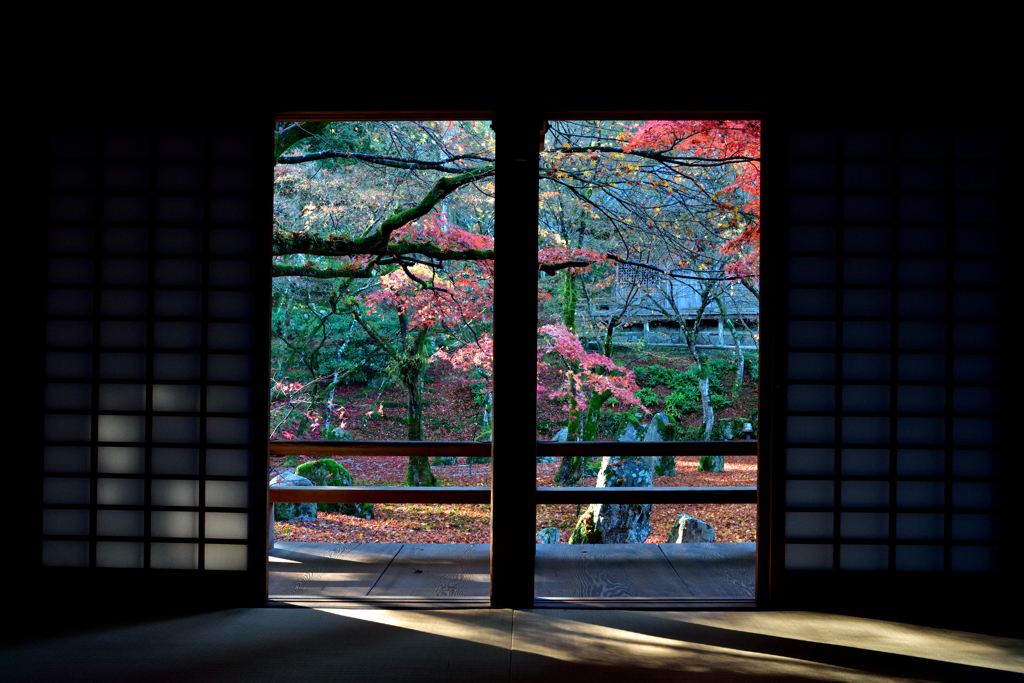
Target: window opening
(648, 304)
(381, 345)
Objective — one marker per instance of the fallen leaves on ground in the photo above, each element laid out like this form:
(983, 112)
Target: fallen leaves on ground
(444, 523)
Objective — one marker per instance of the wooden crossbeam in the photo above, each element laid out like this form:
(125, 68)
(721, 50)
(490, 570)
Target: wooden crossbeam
(481, 495)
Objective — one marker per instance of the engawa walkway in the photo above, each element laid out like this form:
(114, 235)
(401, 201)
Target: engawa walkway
(397, 570)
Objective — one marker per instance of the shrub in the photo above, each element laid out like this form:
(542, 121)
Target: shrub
(328, 472)
(648, 398)
(685, 399)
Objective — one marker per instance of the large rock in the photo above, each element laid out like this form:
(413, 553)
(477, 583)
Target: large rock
(689, 529)
(287, 511)
(549, 535)
(629, 433)
(619, 522)
(328, 472)
(664, 465)
(562, 435)
(711, 463)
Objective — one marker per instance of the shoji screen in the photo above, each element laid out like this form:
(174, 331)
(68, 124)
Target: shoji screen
(154, 414)
(890, 423)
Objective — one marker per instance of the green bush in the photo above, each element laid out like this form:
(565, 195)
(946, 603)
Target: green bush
(648, 398)
(750, 364)
(657, 375)
(328, 472)
(719, 401)
(685, 399)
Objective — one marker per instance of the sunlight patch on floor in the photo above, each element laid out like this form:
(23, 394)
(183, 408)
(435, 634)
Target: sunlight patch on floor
(874, 635)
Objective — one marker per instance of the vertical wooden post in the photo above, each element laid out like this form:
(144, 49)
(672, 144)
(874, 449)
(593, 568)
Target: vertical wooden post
(513, 446)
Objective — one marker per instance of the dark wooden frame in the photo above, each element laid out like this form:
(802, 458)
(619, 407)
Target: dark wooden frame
(513, 494)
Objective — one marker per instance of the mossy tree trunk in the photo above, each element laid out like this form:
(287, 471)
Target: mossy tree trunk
(570, 471)
(408, 366)
(411, 369)
(569, 299)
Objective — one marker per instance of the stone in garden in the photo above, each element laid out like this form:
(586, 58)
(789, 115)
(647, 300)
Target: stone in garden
(549, 535)
(711, 463)
(658, 423)
(562, 435)
(338, 434)
(629, 433)
(328, 472)
(287, 511)
(617, 522)
(689, 529)
(664, 465)
(445, 460)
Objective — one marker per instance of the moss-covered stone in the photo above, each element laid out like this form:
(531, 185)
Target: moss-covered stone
(548, 535)
(284, 512)
(711, 463)
(328, 472)
(586, 530)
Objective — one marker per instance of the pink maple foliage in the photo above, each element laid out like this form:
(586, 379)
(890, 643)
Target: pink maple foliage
(587, 373)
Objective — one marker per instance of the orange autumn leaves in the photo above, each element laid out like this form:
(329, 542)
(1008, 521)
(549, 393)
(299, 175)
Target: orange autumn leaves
(442, 523)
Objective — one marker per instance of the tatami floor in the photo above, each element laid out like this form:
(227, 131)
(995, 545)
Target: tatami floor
(281, 643)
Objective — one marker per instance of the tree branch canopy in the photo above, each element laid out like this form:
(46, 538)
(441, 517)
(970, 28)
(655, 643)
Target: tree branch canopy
(285, 243)
(393, 162)
(294, 133)
(279, 270)
(377, 243)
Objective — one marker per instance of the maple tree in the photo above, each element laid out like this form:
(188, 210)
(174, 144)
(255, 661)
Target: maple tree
(665, 215)
(591, 380)
(405, 209)
(394, 220)
(425, 299)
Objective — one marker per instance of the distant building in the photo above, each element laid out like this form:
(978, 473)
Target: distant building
(642, 305)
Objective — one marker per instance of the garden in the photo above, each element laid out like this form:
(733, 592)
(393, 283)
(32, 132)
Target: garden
(381, 309)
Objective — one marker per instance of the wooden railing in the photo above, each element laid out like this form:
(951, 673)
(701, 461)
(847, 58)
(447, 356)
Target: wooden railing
(482, 494)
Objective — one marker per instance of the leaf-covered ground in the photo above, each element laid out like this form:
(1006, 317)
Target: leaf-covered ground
(378, 413)
(403, 523)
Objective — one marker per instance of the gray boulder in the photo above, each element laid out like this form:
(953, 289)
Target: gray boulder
(664, 465)
(286, 511)
(689, 529)
(622, 522)
(653, 431)
(549, 535)
(629, 433)
(711, 463)
(562, 435)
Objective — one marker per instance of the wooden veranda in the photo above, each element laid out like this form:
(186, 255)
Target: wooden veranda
(461, 572)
